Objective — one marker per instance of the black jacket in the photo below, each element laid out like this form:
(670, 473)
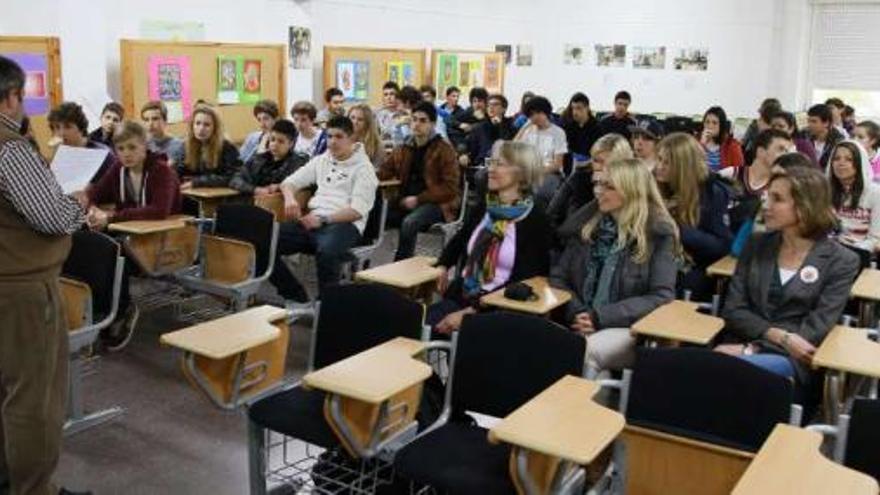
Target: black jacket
(484, 135)
(580, 138)
(262, 170)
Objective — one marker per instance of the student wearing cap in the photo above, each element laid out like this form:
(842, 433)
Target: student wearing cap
(645, 137)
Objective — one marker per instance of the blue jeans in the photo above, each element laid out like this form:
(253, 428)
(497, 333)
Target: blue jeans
(774, 363)
(329, 244)
(413, 222)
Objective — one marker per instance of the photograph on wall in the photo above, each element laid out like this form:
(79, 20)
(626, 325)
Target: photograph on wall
(492, 72)
(610, 55)
(696, 59)
(447, 72)
(252, 81)
(353, 79)
(574, 54)
(300, 47)
(168, 80)
(229, 79)
(524, 55)
(649, 57)
(408, 73)
(507, 50)
(36, 80)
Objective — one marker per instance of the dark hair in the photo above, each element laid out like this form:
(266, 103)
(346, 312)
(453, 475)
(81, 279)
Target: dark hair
(452, 89)
(304, 108)
(409, 96)
(812, 199)
(114, 108)
(537, 104)
(478, 93)
(765, 137)
(848, 111)
(155, 105)
(266, 106)
(837, 192)
(789, 119)
(623, 95)
(286, 127)
(721, 115)
(426, 108)
(70, 113)
(391, 85)
(835, 102)
(769, 108)
(11, 77)
(342, 123)
(873, 131)
(577, 98)
(793, 159)
(820, 110)
(331, 92)
(499, 98)
(427, 88)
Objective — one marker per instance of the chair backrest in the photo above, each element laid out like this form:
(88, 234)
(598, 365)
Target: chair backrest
(375, 226)
(504, 359)
(92, 260)
(707, 396)
(250, 224)
(863, 439)
(353, 318)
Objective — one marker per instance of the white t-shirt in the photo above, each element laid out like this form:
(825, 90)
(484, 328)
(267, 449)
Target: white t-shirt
(550, 142)
(306, 145)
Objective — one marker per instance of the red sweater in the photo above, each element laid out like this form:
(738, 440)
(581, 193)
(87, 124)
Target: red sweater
(731, 154)
(161, 196)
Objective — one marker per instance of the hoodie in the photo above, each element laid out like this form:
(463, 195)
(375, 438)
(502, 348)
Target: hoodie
(859, 226)
(158, 198)
(349, 183)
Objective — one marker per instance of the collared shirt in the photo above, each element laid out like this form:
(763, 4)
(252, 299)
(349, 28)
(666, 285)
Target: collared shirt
(27, 183)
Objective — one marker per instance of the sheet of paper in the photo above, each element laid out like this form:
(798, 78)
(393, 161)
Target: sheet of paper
(75, 167)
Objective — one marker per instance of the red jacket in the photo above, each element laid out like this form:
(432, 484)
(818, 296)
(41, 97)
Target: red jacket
(731, 154)
(161, 196)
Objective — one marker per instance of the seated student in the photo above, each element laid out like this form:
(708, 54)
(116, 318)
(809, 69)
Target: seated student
(498, 127)
(856, 199)
(849, 120)
(263, 173)
(619, 121)
(386, 114)
(266, 113)
(428, 172)
(520, 119)
(837, 107)
(645, 137)
(155, 117)
(111, 116)
(785, 122)
(697, 200)
(769, 107)
(549, 140)
(140, 186)
(366, 132)
(621, 266)
(429, 94)
(334, 99)
(581, 130)
(407, 99)
(459, 127)
(311, 139)
(821, 133)
(346, 190)
(450, 108)
(208, 159)
(722, 149)
(69, 124)
(791, 283)
(505, 239)
(867, 133)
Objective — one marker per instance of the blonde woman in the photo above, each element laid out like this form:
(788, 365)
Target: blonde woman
(698, 200)
(621, 266)
(208, 160)
(366, 131)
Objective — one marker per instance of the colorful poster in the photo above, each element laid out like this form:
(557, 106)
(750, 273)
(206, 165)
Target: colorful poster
(361, 80)
(470, 72)
(353, 79)
(252, 81)
(493, 75)
(403, 73)
(447, 72)
(36, 85)
(169, 81)
(409, 74)
(229, 79)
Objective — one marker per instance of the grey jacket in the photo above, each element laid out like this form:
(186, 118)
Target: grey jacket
(807, 308)
(636, 289)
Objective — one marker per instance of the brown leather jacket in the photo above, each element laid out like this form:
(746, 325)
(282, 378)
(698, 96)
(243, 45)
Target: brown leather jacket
(441, 173)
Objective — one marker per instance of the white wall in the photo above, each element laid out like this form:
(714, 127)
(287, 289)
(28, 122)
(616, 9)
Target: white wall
(757, 47)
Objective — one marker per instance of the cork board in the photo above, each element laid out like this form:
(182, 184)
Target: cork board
(496, 60)
(377, 59)
(51, 47)
(238, 119)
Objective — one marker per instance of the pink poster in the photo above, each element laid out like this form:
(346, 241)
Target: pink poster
(169, 82)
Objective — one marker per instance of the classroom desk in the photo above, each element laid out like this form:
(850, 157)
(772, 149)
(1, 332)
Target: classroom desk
(389, 188)
(549, 298)
(416, 277)
(845, 350)
(209, 197)
(237, 357)
(867, 290)
(789, 462)
(555, 432)
(723, 267)
(159, 247)
(679, 321)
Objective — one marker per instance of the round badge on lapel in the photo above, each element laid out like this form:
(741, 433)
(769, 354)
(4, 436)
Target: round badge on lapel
(809, 274)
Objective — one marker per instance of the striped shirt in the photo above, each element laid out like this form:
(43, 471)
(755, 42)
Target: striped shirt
(28, 184)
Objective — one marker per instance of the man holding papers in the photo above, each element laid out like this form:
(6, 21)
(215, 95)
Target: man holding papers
(36, 220)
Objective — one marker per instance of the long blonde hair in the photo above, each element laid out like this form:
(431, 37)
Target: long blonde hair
(642, 204)
(209, 152)
(686, 162)
(370, 138)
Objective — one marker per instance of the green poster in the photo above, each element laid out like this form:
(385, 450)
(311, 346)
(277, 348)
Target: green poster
(229, 79)
(447, 72)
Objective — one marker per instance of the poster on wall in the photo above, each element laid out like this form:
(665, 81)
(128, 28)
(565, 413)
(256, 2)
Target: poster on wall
(493, 75)
(229, 79)
(403, 73)
(252, 83)
(574, 54)
(649, 57)
(300, 47)
(524, 55)
(168, 80)
(470, 72)
(610, 55)
(353, 79)
(507, 51)
(36, 81)
(696, 59)
(447, 72)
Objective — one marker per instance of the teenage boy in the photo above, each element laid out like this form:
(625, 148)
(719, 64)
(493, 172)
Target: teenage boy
(266, 113)
(645, 137)
(822, 133)
(311, 139)
(386, 114)
(620, 120)
(69, 126)
(111, 116)
(155, 117)
(549, 139)
(497, 127)
(335, 105)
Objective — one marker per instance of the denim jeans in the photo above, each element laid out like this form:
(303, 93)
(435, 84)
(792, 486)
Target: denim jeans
(413, 222)
(775, 363)
(329, 244)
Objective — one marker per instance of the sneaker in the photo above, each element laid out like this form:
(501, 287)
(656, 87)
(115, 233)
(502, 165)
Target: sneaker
(119, 333)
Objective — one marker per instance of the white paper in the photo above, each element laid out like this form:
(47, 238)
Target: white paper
(75, 167)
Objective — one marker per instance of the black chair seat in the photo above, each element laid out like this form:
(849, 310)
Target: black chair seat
(297, 413)
(457, 458)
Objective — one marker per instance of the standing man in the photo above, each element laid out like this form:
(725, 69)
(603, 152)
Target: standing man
(36, 220)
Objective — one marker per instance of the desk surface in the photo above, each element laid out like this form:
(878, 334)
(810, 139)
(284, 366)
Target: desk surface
(210, 192)
(389, 183)
(229, 335)
(562, 421)
(789, 462)
(679, 321)
(723, 267)
(150, 226)
(549, 298)
(404, 274)
(849, 349)
(374, 375)
(867, 285)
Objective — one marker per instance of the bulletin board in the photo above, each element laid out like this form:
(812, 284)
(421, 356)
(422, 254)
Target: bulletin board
(490, 75)
(136, 59)
(377, 60)
(50, 48)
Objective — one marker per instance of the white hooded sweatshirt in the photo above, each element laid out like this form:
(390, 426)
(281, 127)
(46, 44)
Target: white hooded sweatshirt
(860, 226)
